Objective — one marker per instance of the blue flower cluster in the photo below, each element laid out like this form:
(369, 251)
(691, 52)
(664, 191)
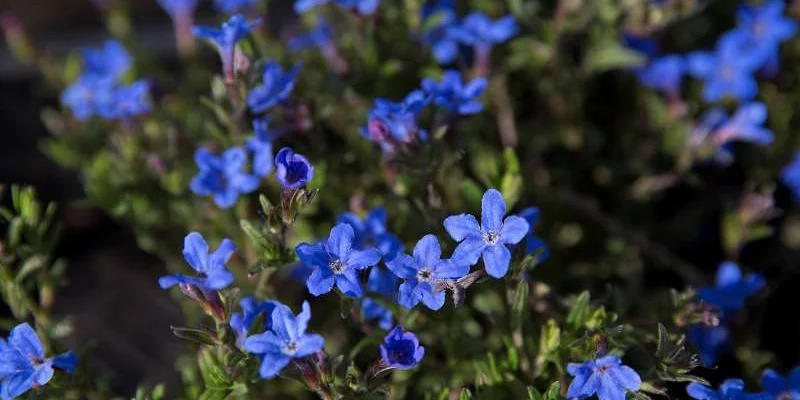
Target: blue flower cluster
(776, 387)
(728, 296)
(99, 90)
(424, 274)
(445, 34)
(394, 125)
(24, 364)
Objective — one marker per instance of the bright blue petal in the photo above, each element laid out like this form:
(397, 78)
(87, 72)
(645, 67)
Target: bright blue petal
(272, 364)
(496, 260)
(427, 251)
(493, 208)
(514, 230)
(195, 252)
(462, 226)
(26, 341)
(320, 282)
(348, 283)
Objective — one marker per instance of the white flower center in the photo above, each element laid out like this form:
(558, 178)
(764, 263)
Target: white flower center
(491, 237)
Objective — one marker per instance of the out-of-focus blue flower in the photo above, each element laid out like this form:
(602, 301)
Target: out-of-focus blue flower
(424, 274)
(765, 27)
(225, 38)
(110, 61)
(336, 262)
(746, 126)
(709, 341)
(211, 266)
(534, 243)
(23, 363)
(261, 147)
(727, 71)
(363, 7)
(178, 9)
(401, 350)
(781, 388)
(452, 94)
(223, 177)
(126, 102)
(251, 309)
(371, 231)
(319, 37)
(286, 340)
(392, 124)
(437, 34)
(293, 170)
(664, 73)
(732, 289)
(373, 310)
(87, 96)
(731, 389)
(490, 238)
(642, 44)
(477, 29)
(232, 6)
(606, 377)
(382, 281)
(790, 175)
(276, 87)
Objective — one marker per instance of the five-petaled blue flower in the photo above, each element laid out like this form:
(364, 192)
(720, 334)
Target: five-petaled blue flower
(534, 243)
(261, 147)
(765, 27)
(110, 61)
(372, 232)
(425, 273)
(232, 6)
(401, 350)
(126, 102)
(211, 266)
(23, 363)
(490, 238)
(320, 37)
(223, 177)
(373, 310)
(477, 29)
(285, 340)
(337, 262)
(438, 36)
(731, 389)
(178, 9)
(452, 94)
(782, 388)
(664, 73)
(251, 309)
(790, 175)
(275, 89)
(606, 377)
(292, 170)
(745, 125)
(727, 71)
(709, 341)
(732, 289)
(88, 96)
(391, 123)
(225, 38)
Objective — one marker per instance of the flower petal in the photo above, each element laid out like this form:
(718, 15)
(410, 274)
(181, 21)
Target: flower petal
(359, 259)
(449, 269)
(220, 257)
(514, 230)
(195, 251)
(26, 341)
(309, 344)
(407, 296)
(493, 208)
(469, 251)
(272, 364)
(320, 281)
(340, 240)
(218, 279)
(462, 226)
(427, 251)
(349, 284)
(261, 343)
(403, 266)
(496, 260)
(312, 254)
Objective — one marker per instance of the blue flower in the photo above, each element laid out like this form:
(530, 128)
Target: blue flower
(293, 170)
(732, 289)
(606, 377)
(765, 28)
(178, 9)
(276, 87)
(336, 261)
(211, 266)
(642, 44)
(87, 96)
(454, 95)
(372, 232)
(664, 73)
(23, 363)
(261, 147)
(746, 126)
(251, 309)
(490, 238)
(126, 102)
(225, 39)
(437, 35)
(232, 6)
(709, 341)
(728, 71)
(534, 243)
(391, 123)
(222, 177)
(731, 389)
(319, 37)
(476, 29)
(110, 61)
(285, 340)
(790, 175)
(425, 273)
(373, 310)
(401, 350)
(782, 388)
(302, 6)
(363, 7)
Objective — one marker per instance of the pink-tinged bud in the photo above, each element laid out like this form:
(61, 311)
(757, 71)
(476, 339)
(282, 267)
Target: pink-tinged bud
(209, 300)
(241, 63)
(185, 41)
(16, 39)
(757, 207)
(310, 375)
(156, 162)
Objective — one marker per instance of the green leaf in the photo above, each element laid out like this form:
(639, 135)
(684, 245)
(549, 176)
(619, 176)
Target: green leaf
(610, 55)
(663, 341)
(579, 314)
(554, 392)
(30, 266)
(195, 335)
(465, 394)
(521, 295)
(534, 394)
